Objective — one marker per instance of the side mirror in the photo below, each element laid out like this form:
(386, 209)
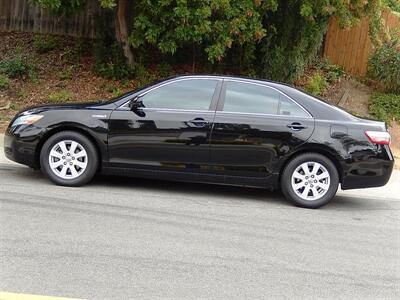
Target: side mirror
(136, 104)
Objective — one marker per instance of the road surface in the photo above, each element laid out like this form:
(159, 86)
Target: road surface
(125, 238)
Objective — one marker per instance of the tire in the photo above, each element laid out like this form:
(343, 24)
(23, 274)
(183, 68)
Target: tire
(313, 188)
(74, 155)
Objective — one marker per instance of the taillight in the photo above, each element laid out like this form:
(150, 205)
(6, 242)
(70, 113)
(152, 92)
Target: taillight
(378, 137)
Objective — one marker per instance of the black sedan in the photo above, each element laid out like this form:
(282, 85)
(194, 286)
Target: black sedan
(214, 129)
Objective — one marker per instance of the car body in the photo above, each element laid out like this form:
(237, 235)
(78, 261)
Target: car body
(215, 129)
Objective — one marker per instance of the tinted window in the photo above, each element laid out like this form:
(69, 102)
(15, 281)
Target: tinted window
(289, 108)
(250, 98)
(185, 94)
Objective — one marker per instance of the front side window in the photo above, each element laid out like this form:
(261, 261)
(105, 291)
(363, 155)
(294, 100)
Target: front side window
(193, 94)
(250, 98)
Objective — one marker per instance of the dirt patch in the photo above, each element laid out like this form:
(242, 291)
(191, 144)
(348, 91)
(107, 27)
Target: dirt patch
(63, 69)
(352, 95)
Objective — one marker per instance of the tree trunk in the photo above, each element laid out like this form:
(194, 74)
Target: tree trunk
(122, 30)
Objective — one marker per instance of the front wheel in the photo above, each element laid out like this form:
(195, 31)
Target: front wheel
(310, 180)
(69, 158)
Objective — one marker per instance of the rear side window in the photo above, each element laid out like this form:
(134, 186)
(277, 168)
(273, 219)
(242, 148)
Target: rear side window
(193, 94)
(250, 98)
(289, 108)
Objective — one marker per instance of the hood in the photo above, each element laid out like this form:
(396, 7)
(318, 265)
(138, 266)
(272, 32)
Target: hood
(101, 104)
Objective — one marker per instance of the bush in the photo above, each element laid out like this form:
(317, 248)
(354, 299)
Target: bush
(385, 107)
(316, 84)
(109, 59)
(61, 96)
(384, 66)
(393, 5)
(292, 43)
(332, 72)
(17, 67)
(4, 82)
(44, 44)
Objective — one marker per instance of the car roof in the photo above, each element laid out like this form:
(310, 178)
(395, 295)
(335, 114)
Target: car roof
(216, 76)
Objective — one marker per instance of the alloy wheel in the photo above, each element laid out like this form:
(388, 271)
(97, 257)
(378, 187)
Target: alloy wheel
(310, 181)
(68, 159)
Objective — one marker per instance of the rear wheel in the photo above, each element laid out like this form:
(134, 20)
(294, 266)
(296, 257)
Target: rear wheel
(310, 180)
(69, 158)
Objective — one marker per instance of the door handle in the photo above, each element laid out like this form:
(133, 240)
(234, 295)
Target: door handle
(199, 122)
(296, 126)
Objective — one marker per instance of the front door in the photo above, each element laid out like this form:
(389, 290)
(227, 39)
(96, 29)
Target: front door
(169, 131)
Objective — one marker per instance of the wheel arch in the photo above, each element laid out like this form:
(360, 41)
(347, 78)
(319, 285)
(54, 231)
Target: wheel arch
(319, 150)
(62, 128)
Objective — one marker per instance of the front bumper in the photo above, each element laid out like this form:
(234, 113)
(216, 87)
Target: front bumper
(21, 145)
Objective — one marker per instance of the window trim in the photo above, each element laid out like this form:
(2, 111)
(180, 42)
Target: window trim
(213, 103)
(223, 97)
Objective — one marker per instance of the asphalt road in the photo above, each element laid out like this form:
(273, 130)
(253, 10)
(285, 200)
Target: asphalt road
(124, 238)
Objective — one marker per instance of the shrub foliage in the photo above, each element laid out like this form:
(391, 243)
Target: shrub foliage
(274, 39)
(384, 65)
(4, 82)
(316, 84)
(17, 67)
(59, 97)
(44, 43)
(385, 107)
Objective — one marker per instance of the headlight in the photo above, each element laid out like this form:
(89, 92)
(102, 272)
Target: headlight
(26, 120)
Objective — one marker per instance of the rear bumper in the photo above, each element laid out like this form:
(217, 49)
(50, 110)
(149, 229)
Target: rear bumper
(368, 170)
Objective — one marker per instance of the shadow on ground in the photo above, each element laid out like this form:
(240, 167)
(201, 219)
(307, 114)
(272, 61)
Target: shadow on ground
(184, 189)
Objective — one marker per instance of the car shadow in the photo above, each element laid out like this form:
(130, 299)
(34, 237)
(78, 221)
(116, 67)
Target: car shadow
(239, 193)
(188, 188)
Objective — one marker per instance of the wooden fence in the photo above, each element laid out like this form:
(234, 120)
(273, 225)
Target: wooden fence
(351, 47)
(21, 15)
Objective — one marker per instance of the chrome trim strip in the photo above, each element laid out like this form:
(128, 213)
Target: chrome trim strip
(261, 114)
(173, 110)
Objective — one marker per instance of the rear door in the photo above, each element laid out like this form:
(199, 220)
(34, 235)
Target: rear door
(255, 127)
